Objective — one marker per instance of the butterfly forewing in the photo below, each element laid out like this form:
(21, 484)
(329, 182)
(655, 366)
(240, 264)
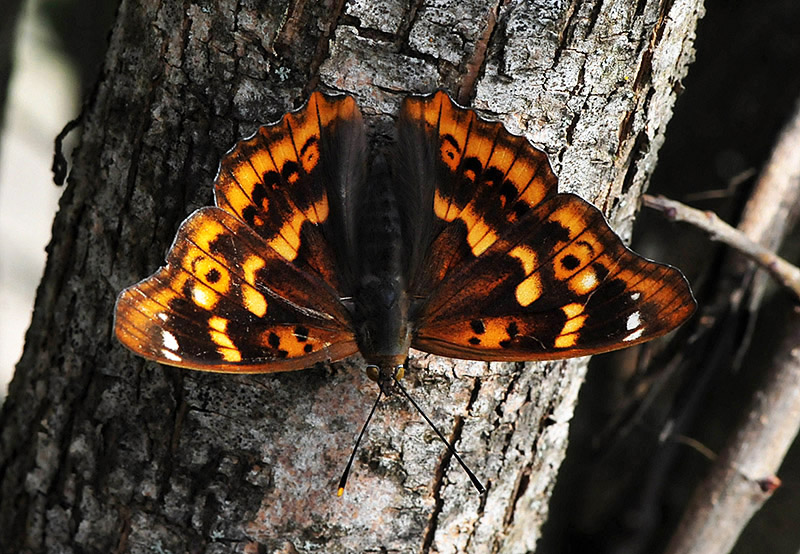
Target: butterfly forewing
(483, 180)
(558, 285)
(289, 181)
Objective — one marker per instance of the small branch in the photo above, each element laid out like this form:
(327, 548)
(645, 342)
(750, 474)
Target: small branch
(744, 476)
(785, 273)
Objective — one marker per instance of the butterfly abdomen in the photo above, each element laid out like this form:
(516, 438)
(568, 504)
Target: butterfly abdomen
(381, 299)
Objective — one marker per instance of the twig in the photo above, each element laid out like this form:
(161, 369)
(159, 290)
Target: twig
(784, 272)
(744, 477)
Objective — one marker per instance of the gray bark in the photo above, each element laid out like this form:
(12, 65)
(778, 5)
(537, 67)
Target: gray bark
(103, 452)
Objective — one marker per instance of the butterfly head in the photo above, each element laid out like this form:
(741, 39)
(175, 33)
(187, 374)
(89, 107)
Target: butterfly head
(386, 375)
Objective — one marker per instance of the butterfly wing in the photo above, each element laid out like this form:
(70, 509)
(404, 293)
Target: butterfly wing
(226, 301)
(479, 179)
(296, 183)
(561, 284)
(255, 284)
(511, 269)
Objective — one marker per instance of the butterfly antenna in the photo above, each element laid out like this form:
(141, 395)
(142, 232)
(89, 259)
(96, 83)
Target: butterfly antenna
(343, 480)
(472, 477)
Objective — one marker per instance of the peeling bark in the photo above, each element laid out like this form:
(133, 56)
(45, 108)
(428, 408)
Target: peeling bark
(102, 451)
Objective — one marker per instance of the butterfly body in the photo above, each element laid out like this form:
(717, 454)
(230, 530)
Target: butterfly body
(381, 303)
(455, 241)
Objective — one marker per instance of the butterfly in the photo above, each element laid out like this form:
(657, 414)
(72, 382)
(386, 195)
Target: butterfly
(453, 240)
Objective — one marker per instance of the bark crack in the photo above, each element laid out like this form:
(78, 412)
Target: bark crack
(566, 33)
(476, 63)
(441, 469)
(412, 17)
(323, 48)
(367, 32)
(594, 17)
(523, 480)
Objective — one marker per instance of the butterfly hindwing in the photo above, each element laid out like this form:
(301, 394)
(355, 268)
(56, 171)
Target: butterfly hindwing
(228, 301)
(560, 284)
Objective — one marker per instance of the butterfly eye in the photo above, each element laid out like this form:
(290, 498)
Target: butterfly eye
(399, 371)
(373, 372)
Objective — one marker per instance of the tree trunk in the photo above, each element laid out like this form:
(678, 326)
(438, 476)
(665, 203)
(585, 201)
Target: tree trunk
(102, 451)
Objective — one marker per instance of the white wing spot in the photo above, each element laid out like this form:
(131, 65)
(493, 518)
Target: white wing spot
(634, 320)
(170, 355)
(203, 298)
(589, 281)
(169, 340)
(636, 296)
(162, 316)
(635, 335)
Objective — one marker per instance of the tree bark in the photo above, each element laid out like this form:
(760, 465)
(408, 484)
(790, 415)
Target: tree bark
(102, 451)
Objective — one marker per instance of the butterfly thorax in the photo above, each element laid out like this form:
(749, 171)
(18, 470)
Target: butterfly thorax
(380, 308)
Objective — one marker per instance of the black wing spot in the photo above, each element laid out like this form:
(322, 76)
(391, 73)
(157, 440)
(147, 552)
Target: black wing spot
(249, 215)
(283, 354)
(601, 271)
(223, 245)
(259, 193)
(587, 245)
(612, 291)
(520, 209)
(213, 275)
(473, 164)
(188, 288)
(475, 341)
(308, 348)
(477, 326)
(555, 232)
(512, 329)
(301, 333)
(569, 262)
(508, 190)
(271, 180)
(290, 171)
(491, 177)
(309, 143)
(274, 340)
(449, 139)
